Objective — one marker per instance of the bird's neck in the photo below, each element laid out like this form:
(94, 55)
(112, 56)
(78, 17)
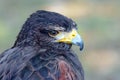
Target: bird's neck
(59, 46)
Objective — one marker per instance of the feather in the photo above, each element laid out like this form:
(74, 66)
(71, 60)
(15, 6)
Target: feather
(35, 56)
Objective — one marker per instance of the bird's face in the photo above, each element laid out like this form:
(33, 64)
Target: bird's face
(57, 34)
(45, 27)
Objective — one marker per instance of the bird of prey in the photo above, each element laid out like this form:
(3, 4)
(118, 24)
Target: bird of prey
(42, 50)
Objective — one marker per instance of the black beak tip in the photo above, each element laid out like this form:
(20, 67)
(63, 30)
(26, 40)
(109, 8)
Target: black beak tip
(81, 46)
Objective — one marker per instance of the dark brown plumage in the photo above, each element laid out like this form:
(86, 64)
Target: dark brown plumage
(37, 56)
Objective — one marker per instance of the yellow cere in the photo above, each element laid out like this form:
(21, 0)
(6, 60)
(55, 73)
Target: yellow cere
(66, 37)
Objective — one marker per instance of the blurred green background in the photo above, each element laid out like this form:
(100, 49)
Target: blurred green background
(98, 23)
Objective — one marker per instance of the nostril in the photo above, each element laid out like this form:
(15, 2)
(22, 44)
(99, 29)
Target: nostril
(73, 35)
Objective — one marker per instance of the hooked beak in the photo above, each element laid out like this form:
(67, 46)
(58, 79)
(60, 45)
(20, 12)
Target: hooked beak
(71, 38)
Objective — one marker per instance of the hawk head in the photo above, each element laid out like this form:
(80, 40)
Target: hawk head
(44, 28)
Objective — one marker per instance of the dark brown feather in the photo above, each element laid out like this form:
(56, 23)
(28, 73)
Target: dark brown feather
(38, 64)
(35, 56)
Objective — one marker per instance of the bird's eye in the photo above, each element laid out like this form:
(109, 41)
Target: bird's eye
(53, 33)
